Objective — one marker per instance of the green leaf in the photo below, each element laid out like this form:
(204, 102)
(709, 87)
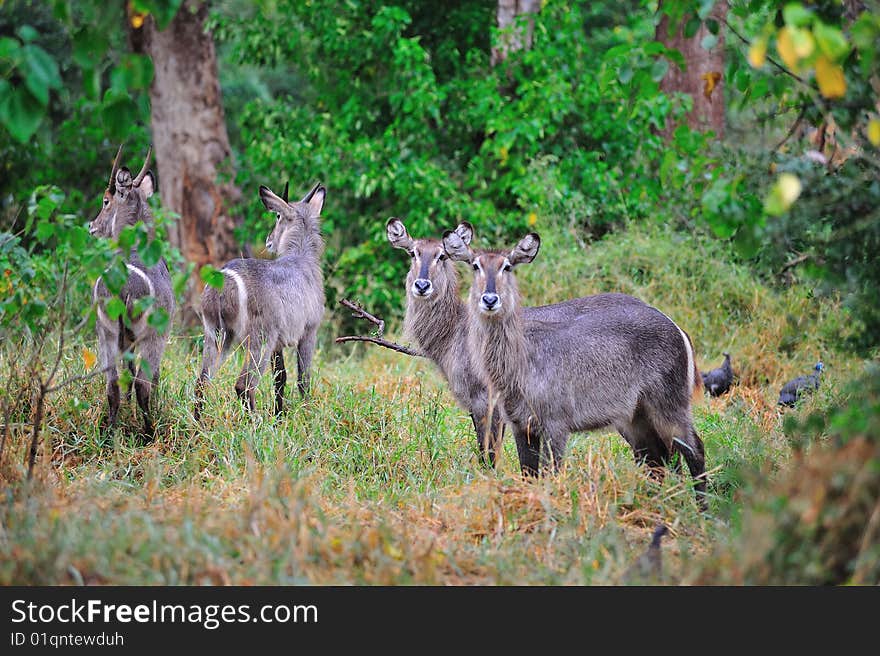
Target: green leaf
(151, 253)
(20, 112)
(9, 48)
(158, 320)
(692, 27)
(659, 69)
(713, 26)
(625, 74)
(89, 47)
(45, 207)
(708, 42)
(45, 230)
(40, 67)
(27, 33)
(114, 308)
(212, 277)
(796, 15)
(117, 115)
(831, 41)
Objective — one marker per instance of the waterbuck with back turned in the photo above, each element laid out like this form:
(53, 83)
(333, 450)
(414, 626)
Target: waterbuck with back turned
(267, 305)
(125, 204)
(616, 362)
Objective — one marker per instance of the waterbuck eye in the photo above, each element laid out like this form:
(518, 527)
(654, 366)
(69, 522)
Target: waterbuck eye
(476, 267)
(441, 257)
(106, 202)
(506, 267)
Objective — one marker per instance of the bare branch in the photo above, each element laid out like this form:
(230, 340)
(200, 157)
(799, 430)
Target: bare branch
(359, 312)
(74, 379)
(793, 128)
(793, 263)
(381, 342)
(769, 59)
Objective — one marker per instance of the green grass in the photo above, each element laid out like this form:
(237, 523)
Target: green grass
(376, 478)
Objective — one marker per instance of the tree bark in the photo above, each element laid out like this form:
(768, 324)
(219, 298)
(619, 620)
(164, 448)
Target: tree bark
(703, 77)
(191, 141)
(517, 38)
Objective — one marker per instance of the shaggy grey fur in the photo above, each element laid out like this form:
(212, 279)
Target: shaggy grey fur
(604, 360)
(124, 204)
(267, 305)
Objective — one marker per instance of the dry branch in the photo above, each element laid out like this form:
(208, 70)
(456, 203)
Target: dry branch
(359, 312)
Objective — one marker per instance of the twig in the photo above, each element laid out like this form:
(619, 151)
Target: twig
(75, 379)
(360, 313)
(793, 263)
(769, 58)
(381, 342)
(793, 128)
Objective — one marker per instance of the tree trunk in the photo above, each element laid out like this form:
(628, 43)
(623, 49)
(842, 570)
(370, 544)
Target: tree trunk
(703, 77)
(516, 38)
(190, 141)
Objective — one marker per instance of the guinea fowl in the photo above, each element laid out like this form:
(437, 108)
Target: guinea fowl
(796, 389)
(718, 381)
(648, 568)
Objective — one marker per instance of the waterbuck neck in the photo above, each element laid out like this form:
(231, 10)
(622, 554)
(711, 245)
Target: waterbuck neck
(434, 325)
(500, 345)
(306, 240)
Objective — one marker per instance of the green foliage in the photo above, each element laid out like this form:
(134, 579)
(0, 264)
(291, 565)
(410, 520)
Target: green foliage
(400, 113)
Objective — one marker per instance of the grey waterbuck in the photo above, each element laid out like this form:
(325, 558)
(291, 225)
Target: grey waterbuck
(125, 204)
(267, 305)
(616, 361)
(436, 319)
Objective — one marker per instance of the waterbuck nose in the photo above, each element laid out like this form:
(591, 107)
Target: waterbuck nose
(489, 301)
(269, 244)
(422, 286)
(92, 228)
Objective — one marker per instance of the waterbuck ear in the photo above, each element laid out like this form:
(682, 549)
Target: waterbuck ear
(397, 235)
(466, 231)
(456, 247)
(148, 185)
(315, 199)
(271, 201)
(123, 178)
(526, 250)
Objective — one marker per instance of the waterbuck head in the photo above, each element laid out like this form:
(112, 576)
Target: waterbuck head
(296, 223)
(125, 199)
(494, 292)
(431, 275)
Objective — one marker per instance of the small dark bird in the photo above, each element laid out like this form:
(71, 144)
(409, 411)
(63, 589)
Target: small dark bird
(649, 566)
(801, 386)
(718, 381)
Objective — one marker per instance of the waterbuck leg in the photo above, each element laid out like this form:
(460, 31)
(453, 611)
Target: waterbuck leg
(528, 448)
(108, 348)
(488, 442)
(690, 446)
(144, 385)
(280, 376)
(255, 361)
(213, 354)
(305, 350)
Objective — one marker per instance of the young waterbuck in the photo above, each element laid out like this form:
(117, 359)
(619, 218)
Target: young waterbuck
(267, 305)
(125, 204)
(611, 361)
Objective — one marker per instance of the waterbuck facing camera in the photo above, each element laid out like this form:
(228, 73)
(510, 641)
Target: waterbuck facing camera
(596, 361)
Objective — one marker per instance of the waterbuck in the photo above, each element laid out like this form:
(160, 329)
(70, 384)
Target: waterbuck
(267, 305)
(436, 319)
(615, 361)
(125, 204)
